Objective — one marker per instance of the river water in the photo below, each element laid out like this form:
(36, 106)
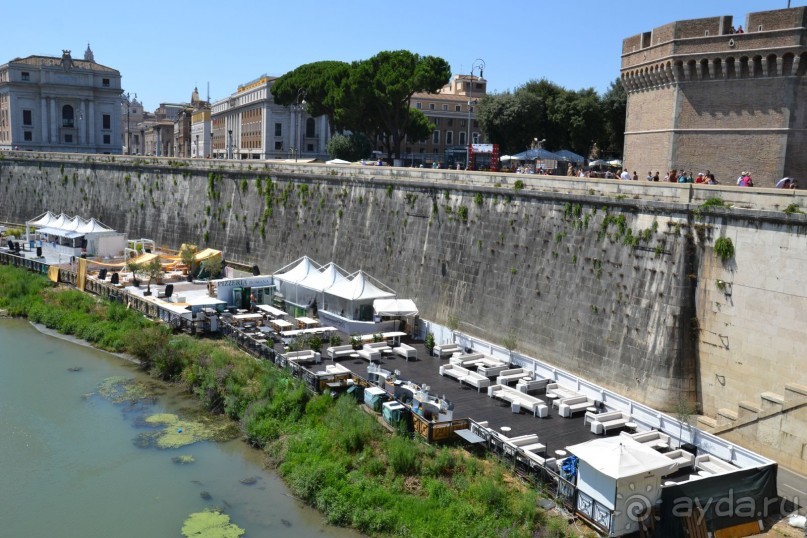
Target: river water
(69, 466)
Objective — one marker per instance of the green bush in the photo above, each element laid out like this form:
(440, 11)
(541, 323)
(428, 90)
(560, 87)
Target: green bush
(724, 248)
(402, 459)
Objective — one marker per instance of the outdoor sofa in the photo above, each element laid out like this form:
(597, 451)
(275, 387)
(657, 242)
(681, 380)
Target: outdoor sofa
(513, 374)
(303, 357)
(446, 350)
(569, 406)
(602, 422)
(509, 394)
(464, 375)
(528, 386)
(712, 464)
(651, 438)
(338, 352)
(682, 459)
(405, 351)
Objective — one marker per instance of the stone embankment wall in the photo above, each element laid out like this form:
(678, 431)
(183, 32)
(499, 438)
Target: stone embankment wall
(613, 281)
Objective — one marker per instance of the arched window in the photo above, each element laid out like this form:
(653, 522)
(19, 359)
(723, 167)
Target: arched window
(310, 131)
(67, 116)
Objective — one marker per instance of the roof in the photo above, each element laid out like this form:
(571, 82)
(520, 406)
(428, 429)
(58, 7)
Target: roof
(570, 156)
(299, 272)
(620, 457)
(54, 61)
(533, 154)
(324, 279)
(359, 287)
(395, 307)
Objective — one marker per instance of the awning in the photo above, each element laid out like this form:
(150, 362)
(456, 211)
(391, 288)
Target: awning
(58, 232)
(395, 307)
(359, 287)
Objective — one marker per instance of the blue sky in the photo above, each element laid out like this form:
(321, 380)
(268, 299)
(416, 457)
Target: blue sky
(163, 49)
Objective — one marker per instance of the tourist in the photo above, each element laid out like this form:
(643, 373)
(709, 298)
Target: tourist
(701, 178)
(625, 176)
(635, 176)
(649, 176)
(740, 29)
(783, 183)
(741, 179)
(710, 178)
(656, 176)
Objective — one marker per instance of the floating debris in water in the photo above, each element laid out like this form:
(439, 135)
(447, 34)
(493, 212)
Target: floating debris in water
(74, 369)
(286, 522)
(249, 480)
(205, 495)
(210, 524)
(183, 459)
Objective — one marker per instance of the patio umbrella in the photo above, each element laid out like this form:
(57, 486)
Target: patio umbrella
(781, 182)
(507, 158)
(598, 162)
(615, 162)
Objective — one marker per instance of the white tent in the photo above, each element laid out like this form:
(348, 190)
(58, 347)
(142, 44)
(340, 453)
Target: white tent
(337, 161)
(288, 282)
(353, 298)
(395, 307)
(620, 476)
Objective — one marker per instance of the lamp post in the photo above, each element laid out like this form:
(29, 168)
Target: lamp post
(298, 111)
(479, 64)
(128, 130)
(229, 143)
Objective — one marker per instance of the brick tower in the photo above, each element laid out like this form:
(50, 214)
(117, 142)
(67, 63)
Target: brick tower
(701, 97)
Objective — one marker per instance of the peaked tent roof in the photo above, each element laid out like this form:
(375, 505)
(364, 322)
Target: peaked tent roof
(533, 154)
(619, 457)
(359, 287)
(570, 156)
(43, 220)
(93, 226)
(299, 272)
(395, 307)
(324, 279)
(59, 222)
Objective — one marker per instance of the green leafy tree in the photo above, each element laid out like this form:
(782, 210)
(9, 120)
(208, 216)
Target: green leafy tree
(379, 91)
(614, 109)
(323, 85)
(153, 269)
(511, 119)
(349, 147)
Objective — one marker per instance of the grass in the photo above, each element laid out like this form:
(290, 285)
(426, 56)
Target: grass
(332, 455)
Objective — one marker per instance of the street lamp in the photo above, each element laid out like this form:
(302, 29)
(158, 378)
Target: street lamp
(128, 133)
(298, 111)
(229, 143)
(479, 64)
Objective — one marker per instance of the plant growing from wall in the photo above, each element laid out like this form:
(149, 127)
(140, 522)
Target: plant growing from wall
(793, 208)
(518, 185)
(724, 248)
(462, 212)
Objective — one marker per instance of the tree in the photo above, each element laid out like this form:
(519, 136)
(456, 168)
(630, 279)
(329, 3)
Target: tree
(378, 94)
(153, 269)
(614, 109)
(323, 85)
(187, 254)
(511, 119)
(213, 266)
(349, 147)
(135, 268)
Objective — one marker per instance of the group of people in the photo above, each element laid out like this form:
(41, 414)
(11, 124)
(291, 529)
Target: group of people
(672, 176)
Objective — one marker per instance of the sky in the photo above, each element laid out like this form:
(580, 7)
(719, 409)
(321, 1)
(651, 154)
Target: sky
(164, 49)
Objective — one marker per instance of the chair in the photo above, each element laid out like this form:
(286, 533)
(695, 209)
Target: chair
(114, 279)
(166, 294)
(10, 245)
(102, 274)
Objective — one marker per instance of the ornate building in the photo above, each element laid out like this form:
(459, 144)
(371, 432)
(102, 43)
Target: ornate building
(703, 97)
(50, 103)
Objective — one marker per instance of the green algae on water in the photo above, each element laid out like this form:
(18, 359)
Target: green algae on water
(119, 389)
(183, 459)
(177, 432)
(210, 524)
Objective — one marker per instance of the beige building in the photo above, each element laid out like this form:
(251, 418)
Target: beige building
(50, 103)
(249, 125)
(701, 97)
(453, 112)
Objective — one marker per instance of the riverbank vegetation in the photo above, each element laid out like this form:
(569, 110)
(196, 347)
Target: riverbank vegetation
(331, 453)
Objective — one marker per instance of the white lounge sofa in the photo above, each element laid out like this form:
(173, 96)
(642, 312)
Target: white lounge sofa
(513, 374)
(522, 441)
(712, 464)
(331, 369)
(682, 459)
(405, 351)
(650, 438)
(569, 406)
(475, 379)
(537, 457)
(530, 403)
(339, 352)
(602, 422)
(466, 360)
(560, 391)
(446, 350)
(302, 357)
(369, 353)
(492, 367)
(527, 385)
(464, 375)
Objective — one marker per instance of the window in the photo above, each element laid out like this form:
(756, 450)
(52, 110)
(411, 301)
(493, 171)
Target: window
(462, 138)
(278, 130)
(475, 138)
(431, 106)
(437, 121)
(28, 136)
(450, 122)
(27, 118)
(457, 108)
(310, 128)
(107, 139)
(278, 146)
(105, 82)
(309, 148)
(419, 106)
(26, 75)
(449, 137)
(67, 116)
(107, 121)
(68, 139)
(445, 107)
(436, 137)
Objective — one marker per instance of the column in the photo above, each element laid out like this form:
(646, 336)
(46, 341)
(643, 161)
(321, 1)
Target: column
(44, 107)
(82, 118)
(54, 133)
(91, 122)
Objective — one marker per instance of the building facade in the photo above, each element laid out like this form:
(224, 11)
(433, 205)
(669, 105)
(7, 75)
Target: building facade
(60, 104)
(452, 111)
(703, 97)
(250, 125)
(201, 134)
(131, 115)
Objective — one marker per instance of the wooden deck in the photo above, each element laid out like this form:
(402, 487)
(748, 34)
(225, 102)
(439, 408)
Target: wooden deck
(554, 431)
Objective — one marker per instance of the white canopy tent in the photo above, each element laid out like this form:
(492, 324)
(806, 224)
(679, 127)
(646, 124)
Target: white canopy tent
(395, 308)
(326, 278)
(75, 235)
(353, 298)
(289, 282)
(616, 473)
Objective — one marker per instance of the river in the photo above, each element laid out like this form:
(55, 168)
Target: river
(69, 465)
